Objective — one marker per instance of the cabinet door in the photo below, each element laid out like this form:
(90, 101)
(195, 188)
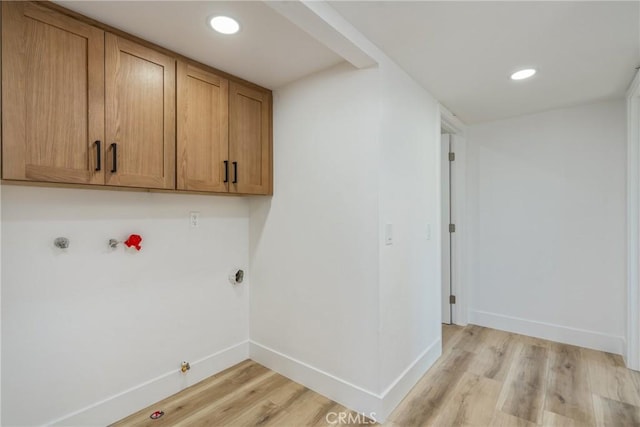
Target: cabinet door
(53, 96)
(139, 115)
(203, 130)
(249, 140)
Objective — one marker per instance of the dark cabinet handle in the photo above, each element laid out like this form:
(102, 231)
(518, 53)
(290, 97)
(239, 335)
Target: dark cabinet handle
(226, 171)
(98, 156)
(235, 172)
(114, 152)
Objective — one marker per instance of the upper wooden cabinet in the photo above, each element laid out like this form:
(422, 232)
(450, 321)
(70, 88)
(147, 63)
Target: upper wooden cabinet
(139, 115)
(83, 103)
(250, 140)
(224, 134)
(52, 96)
(58, 126)
(203, 130)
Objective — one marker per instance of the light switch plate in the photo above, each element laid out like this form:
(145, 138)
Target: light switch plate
(388, 234)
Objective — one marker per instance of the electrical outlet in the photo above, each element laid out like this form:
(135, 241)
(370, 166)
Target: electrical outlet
(194, 219)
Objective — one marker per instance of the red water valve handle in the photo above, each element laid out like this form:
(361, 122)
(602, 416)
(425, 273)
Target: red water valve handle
(134, 241)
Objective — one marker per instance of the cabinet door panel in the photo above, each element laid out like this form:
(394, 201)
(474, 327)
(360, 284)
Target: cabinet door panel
(53, 97)
(140, 115)
(203, 137)
(250, 140)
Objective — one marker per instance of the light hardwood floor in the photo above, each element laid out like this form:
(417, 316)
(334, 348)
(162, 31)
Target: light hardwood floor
(485, 377)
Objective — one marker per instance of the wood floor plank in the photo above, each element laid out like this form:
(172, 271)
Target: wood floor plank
(422, 407)
(331, 417)
(310, 409)
(472, 402)
(472, 339)
(351, 418)
(501, 419)
(524, 339)
(450, 335)
(288, 394)
(609, 378)
(193, 398)
(271, 405)
(609, 412)
(550, 419)
(494, 360)
(425, 384)
(524, 390)
(224, 410)
(568, 390)
(635, 378)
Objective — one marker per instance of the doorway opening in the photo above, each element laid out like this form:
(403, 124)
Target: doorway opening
(454, 230)
(448, 229)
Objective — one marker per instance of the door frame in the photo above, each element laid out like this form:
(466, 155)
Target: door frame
(632, 351)
(450, 124)
(446, 239)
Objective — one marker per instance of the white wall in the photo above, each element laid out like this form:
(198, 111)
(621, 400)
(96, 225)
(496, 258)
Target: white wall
(632, 351)
(546, 200)
(331, 306)
(83, 325)
(409, 199)
(314, 245)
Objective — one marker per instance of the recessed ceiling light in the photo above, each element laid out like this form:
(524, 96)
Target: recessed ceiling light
(523, 74)
(224, 24)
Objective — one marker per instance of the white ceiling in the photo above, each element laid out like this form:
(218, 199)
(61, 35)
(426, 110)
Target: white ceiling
(269, 50)
(461, 51)
(464, 52)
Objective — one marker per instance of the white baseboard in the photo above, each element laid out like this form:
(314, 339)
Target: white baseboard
(549, 331)
(132, 400)
(356, 398)
(350, 395)
(343, 392)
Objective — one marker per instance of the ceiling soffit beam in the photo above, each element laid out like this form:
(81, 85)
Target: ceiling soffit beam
(320, 21)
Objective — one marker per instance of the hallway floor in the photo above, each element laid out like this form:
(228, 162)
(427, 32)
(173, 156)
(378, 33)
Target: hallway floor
(492, 378)
(485, 377)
